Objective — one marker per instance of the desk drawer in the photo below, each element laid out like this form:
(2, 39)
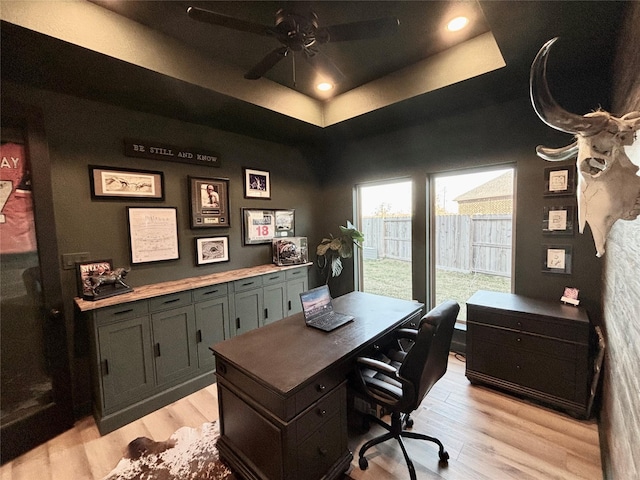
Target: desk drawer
(121, 312)
(319, 413)
(321, 386)
(173, 300)
(212, 291)
(321, 450)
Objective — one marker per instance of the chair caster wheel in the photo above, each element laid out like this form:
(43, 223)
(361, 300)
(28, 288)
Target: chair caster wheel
(444, 456)
(409, 423)
(363, 463)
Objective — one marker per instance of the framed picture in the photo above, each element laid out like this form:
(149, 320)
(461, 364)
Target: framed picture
(84, 270)
(559, 181)
(110, 183)
(262, 225)
(212, 250)
(257, 183)
(558, 220)
(153, 234)
(209, 202)
(556, 258)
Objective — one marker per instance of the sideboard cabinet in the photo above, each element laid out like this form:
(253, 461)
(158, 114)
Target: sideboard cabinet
(535, 348)
(152, 346)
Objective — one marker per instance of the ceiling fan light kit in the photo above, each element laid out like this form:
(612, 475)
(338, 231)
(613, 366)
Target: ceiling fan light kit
(297, 29)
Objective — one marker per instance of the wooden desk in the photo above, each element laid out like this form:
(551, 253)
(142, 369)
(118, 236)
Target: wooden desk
(282, 389)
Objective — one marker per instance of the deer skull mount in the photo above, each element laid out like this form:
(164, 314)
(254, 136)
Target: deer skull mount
(608, 187)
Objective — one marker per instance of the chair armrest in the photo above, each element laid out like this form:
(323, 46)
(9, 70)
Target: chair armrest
(377, 365)
(408, 333)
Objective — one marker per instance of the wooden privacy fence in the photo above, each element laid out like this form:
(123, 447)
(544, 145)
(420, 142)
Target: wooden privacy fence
(477, 243)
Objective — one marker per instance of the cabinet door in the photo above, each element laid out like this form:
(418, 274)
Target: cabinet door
(249, 305)
(294, 288)
(125, 360)
(275, 302)
(212, 318)
(174, 343)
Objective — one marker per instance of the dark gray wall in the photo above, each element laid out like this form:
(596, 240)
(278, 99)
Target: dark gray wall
(81, 132)
(502, 134)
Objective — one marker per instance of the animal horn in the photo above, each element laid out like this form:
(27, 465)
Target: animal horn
(546, 107)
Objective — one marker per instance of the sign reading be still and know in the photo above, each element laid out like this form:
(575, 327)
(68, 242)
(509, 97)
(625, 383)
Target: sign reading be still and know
(171, 153)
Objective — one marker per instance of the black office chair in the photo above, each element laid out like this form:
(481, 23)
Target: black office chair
(399, 379)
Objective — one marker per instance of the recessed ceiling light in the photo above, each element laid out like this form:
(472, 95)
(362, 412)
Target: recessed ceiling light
(457, 23)
(324, 86)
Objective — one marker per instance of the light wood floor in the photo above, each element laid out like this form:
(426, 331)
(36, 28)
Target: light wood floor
(489, 435)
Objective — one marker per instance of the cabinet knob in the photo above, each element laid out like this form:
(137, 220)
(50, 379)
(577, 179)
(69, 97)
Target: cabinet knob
(322, 412)
(518, 339)
(320, 387)
(322, 451)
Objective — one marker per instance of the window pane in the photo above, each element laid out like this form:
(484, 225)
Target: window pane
(385, 220)
(473, 234)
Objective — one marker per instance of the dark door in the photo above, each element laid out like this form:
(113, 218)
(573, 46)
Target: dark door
(35, 381)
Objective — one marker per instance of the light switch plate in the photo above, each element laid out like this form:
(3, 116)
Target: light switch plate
(69, 259)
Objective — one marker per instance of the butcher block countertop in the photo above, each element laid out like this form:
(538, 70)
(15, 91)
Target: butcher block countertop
(165, 288)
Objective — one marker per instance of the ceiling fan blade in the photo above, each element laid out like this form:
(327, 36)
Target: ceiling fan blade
(222, 20)
(267, 63)
(324, 66)
(358, 30)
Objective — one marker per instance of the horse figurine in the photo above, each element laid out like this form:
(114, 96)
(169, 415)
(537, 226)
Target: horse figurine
(115, 278)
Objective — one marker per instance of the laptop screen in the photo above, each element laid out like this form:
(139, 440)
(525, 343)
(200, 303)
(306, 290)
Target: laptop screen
(316, 302)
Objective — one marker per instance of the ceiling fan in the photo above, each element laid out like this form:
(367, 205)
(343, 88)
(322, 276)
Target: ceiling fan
(297, 29)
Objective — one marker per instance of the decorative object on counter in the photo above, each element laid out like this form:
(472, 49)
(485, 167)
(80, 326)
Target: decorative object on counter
(116, 183)
(97, 280)
(153, 234)
(263, 225)
(290, 251)
(209, 202)
(558, 220)
(332, 250)
(171, 153)
(556, 258)
(608, 186)
(570, 296)
(212, 250)
(257, 183)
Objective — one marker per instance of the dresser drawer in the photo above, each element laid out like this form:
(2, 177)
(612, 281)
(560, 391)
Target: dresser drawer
(165, 302)
(540, 325)
(275, 277)
(320, 386)
(121, 312)
(213, 291)
(319, 413)
(519, 340)
(247, 284)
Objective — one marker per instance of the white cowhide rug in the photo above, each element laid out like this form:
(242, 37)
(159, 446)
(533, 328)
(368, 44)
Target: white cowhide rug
(189, 454)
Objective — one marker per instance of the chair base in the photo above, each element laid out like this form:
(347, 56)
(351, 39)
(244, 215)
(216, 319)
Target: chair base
(396, 430)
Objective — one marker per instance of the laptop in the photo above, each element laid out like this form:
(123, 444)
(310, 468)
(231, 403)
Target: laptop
(318, 310)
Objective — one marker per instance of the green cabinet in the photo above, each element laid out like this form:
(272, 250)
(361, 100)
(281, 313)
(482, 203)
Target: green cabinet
(211, 306)
(174, 343)
(297, 282)
(125, 361)
(275, 296)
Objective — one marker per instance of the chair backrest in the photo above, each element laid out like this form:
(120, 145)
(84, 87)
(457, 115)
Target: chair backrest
(426, 362)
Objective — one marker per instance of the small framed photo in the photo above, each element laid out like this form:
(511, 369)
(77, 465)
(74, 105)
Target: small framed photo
(257, 183)
(212, 250)
(259, 225)
(559, 181)
(285, 223)
(557, 258)
(124, 183)
(153, 234)
(209, 202)
(558, 220)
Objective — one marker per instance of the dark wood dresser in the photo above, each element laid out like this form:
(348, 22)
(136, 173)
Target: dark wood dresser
(535, 348)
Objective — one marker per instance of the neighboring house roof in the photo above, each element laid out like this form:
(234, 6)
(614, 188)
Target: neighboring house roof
(499, 187)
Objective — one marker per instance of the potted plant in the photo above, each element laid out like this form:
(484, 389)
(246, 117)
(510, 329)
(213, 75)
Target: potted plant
(331, 251)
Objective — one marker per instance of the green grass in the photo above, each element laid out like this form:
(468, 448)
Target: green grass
(393, 278)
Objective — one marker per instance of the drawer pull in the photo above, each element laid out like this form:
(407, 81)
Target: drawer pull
(199, 336)
(222, 368)
(518, 339)
(122, 312)
(322, 412)
(322, 451)
(320, 387)
(173, 300)
(247, 284)
(238, 323)
(289, 304)
(273, 278)
(211, 291)
(157, 349)
(266, 313)
(105, 367)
